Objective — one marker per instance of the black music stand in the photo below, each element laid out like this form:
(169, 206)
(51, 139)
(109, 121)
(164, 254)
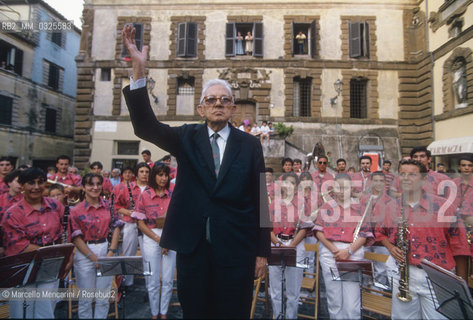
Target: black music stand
(283, 257)
(52, 261)
(123, 265)
(46, 264)
(353, 270)
(360, 271)
(450, 292)
(16, 270)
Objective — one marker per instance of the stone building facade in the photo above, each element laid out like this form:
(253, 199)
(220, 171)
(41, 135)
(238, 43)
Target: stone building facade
(37, 84)
(451, 64)
(378, 49)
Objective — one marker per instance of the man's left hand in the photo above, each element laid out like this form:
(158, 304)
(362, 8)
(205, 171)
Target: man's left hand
(260, 267)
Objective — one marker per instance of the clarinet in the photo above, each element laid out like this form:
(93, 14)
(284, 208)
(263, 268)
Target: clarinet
(132, 205)
(132, 202)
(110, 229)
(65, 222)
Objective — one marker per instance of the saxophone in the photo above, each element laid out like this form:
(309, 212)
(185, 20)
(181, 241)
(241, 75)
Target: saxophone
(403, 244)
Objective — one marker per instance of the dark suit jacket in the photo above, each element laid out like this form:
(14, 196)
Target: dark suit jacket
(235, 201)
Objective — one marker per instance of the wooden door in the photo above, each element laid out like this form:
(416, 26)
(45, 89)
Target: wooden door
(244, 110)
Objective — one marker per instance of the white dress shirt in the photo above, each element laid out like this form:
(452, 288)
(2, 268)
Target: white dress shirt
(140, 83)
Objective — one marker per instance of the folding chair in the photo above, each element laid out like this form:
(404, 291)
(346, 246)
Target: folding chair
(310, 282)
(373, 300)
(4, 310)
(257, 286)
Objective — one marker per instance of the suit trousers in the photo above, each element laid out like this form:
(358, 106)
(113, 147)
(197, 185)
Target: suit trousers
(86, 278)
(162, 267)
(422, 304)
(208, 289)
(343, 297)
(39, 309)
(129, 246)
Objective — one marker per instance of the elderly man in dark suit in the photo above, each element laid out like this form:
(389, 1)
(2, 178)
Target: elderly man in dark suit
(218, 212)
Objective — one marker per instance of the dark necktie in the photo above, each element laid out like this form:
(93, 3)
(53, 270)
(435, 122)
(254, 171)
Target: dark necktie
(215, 152)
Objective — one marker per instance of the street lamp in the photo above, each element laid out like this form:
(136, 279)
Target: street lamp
(150, 86)
(333, 101)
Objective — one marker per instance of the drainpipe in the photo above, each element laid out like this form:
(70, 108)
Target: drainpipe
(432, 62)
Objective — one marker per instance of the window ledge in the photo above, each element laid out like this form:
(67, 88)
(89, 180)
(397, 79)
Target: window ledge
(241, 57)
(303, 56)
(454, 113)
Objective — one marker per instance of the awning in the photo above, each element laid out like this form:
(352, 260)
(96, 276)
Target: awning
(451, 146)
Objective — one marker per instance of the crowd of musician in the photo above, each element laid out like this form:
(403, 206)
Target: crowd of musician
(410, 216)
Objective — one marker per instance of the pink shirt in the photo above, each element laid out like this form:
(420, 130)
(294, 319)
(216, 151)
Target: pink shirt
(360, 181)
(7, 201)
(107, 185)
(338, 223)
(122, 198)
(285, 217)
(377, 205)
(389, 177)
(429, 238)
(172, 173)
(151, 206)
(3, 187)
(90, 222)
(464, 197)
(23, 225)
(432, 182)
(319, 181)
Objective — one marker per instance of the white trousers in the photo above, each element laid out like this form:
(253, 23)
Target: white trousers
(162, 266)
(422, 305)
(293, 276)
(380, 268)
(86, 278)
(129, 246)
(343, 297)
(310, 255)
(40, 309)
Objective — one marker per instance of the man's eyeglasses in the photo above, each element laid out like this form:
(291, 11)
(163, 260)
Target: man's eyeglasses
(322, 162)
(211, 101)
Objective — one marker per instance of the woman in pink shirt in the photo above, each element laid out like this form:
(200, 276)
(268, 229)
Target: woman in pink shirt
(33, 222)
(91, 222)
(150, 213)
